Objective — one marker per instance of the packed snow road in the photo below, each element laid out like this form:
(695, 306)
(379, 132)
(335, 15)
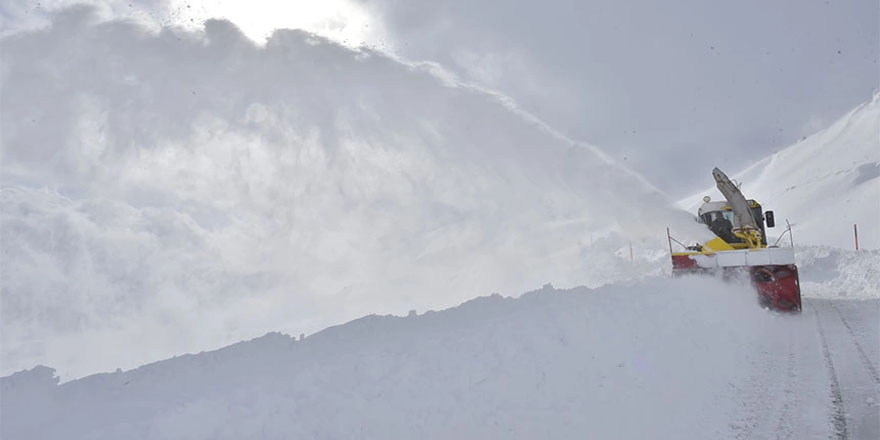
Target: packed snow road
(850, 340)
(662, 358)
(819, 380)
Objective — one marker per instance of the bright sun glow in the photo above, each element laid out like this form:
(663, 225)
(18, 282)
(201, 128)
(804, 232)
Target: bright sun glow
(340, 20)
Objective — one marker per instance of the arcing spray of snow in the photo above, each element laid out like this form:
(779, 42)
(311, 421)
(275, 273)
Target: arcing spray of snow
(667, 358)
(191, 189)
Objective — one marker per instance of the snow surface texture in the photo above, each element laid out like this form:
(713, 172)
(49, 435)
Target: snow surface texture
(666, 358)
(828, 272)
(191, 189)
(823, 184)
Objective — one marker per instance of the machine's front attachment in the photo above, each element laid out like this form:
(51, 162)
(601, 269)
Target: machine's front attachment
(778, 286)
(771, 271)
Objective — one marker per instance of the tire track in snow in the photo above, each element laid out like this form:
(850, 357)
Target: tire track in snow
(838, 415)
(872, 371)
(783, 426)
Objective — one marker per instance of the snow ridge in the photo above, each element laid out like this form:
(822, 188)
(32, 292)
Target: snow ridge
(549, 364)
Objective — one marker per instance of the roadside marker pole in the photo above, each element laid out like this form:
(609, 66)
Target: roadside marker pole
(856, 234)
(631, 251)
(790, 234)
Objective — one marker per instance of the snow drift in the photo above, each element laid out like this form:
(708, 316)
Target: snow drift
(824, 184)
(192, 189)
(615, 362)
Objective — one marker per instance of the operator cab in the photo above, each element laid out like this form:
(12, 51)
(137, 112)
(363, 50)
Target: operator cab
(710, 212)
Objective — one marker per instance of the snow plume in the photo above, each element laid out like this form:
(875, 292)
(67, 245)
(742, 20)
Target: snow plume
(190, 189)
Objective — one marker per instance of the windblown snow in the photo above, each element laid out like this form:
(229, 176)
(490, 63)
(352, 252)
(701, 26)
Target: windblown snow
(192, 189)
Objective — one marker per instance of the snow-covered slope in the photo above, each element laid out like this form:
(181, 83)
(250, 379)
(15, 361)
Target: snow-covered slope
(823, 184)
(667, 358)
(192, 189)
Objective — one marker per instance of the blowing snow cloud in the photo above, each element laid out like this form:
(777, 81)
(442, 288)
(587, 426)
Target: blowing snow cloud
(189, 189)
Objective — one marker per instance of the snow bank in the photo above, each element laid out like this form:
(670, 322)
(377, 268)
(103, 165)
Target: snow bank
(828, 272)
(666, 358)
(823, 184)
(192, 189)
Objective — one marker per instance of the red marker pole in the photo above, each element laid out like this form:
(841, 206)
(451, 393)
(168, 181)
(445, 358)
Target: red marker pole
(856, 234)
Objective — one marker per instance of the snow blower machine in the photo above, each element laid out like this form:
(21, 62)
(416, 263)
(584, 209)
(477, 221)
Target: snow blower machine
(740, 248)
